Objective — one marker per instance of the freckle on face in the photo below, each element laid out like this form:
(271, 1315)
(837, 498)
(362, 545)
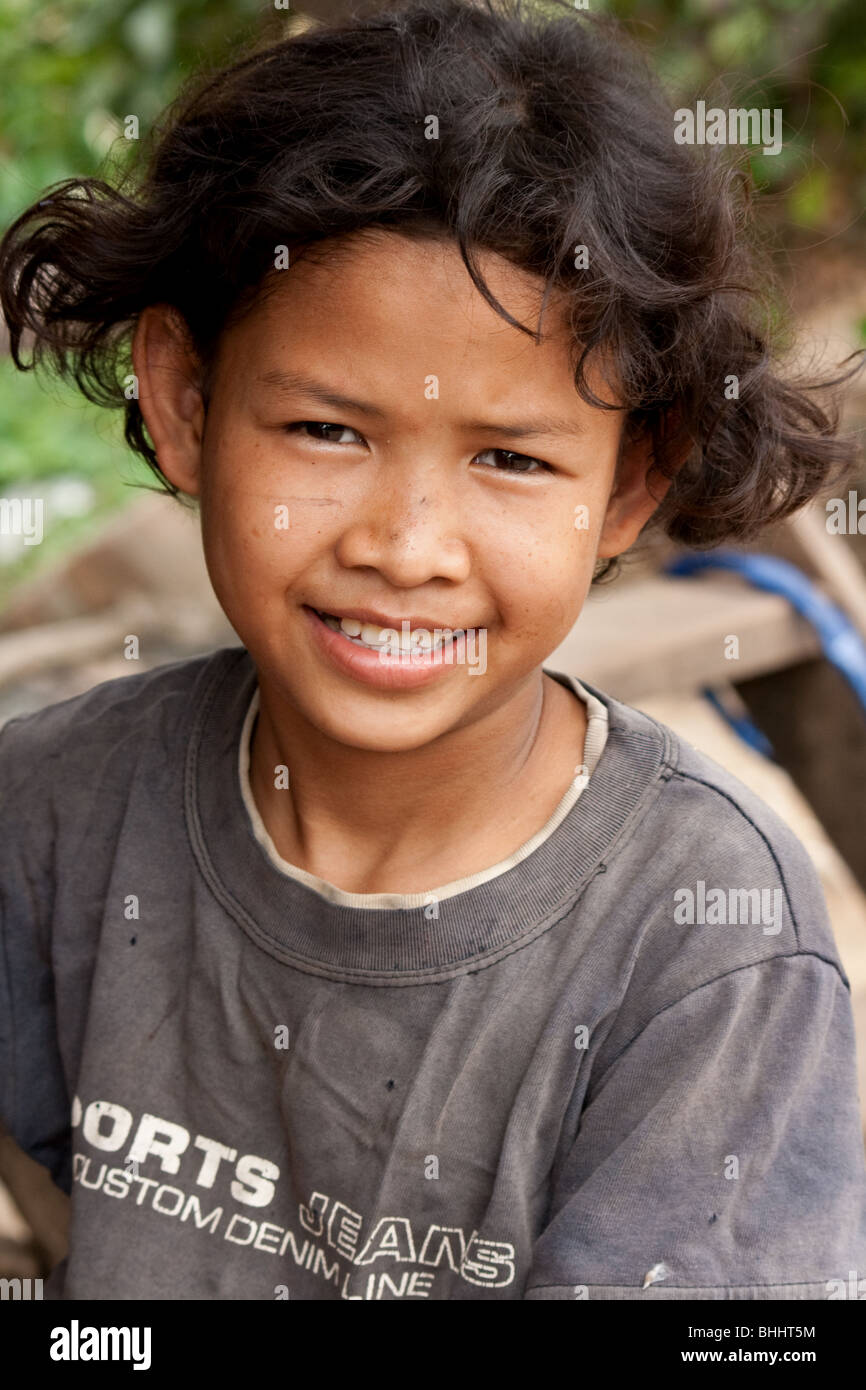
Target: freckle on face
(405, 519)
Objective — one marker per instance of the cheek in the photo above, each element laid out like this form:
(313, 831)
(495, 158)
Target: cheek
(545, 567)
(258, 532)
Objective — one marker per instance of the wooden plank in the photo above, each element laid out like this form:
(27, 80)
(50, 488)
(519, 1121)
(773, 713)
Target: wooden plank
(663, 634)
(827, 559)
(816, 725)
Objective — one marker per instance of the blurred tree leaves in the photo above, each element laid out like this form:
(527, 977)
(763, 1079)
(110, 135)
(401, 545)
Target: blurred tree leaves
(807, 59)
(49, 432)
(71, 71)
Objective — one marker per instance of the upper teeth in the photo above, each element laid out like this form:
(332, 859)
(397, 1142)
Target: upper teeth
(370, 635)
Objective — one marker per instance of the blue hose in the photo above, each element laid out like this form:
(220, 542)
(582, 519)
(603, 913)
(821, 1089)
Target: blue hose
(840, 641)
(742, 725)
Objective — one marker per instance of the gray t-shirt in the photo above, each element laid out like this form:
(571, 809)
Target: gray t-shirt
(622, 1068)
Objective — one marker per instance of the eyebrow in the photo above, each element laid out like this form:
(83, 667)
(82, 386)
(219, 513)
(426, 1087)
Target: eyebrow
(293, 382)
(296, 382)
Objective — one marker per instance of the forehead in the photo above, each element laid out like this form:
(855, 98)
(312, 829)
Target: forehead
(393, 310)
(412, 269)
(376, 279)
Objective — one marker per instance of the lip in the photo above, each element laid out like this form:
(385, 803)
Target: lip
(371, 667)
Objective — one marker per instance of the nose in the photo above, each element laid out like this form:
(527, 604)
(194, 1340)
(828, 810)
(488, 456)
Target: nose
(412, 533)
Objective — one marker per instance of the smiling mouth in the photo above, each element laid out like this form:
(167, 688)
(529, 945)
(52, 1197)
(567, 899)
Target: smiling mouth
(375, 638)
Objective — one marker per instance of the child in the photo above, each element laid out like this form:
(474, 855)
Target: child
(351, 963)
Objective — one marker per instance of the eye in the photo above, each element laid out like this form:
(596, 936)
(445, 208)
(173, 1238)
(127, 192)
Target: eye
(317, 430)
(517, 463)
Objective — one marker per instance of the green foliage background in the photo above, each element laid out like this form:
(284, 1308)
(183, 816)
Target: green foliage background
(72, 70)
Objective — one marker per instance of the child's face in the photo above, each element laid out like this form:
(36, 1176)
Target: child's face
(421, 501)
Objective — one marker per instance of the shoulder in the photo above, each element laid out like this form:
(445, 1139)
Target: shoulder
(703, 825)
(116, 719)
(706, 881)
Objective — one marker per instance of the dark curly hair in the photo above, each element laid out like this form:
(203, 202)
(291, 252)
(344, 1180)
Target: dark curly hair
(553, 133)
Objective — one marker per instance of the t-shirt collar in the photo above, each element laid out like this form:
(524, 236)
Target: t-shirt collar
(432, 937)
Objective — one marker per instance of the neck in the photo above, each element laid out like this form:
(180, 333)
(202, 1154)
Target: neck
(355, 817)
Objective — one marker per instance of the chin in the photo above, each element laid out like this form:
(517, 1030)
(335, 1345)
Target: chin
(374, 737)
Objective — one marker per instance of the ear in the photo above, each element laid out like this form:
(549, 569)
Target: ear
(170, 394)
(638, 489)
